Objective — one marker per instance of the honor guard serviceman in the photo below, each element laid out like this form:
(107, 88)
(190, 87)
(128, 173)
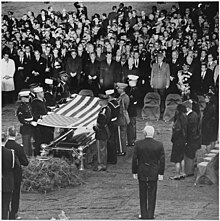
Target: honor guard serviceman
(25, 117)
(113, 141)
(123, 119)
(62, 90)
(49, 95)
(39, 109)
(132, 92)
(102, 132)
(21, 160)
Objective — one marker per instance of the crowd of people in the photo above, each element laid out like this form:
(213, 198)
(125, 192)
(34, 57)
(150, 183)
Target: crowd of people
(120, 57)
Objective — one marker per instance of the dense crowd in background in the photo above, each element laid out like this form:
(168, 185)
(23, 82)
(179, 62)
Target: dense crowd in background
(120, 57)
(97, 52)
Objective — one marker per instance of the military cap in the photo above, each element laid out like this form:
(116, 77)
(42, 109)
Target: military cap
(121, 85)
(109, 92)
(48, 81)
(24, 93)
(38, 89)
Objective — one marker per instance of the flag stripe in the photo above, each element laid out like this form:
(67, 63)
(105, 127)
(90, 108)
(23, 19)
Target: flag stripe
(81, 111)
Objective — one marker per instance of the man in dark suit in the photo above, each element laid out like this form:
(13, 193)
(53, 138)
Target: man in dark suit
(21, 159)
(8, 161)
(148, 165)
(206, 79)
(38, 69)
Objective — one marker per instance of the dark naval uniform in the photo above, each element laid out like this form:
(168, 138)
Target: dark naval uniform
(132, 92)
(22, 160)
(25, 117)
(42, 133)
(113, 142)
(50, 99)
(102, 135)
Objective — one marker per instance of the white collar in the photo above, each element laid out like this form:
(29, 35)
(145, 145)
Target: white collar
(188, 112)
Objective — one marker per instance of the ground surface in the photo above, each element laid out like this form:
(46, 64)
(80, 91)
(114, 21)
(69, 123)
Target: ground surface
(114, 194)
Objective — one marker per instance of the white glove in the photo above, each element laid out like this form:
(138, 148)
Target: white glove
(160, 177)
(135, 176)
(34, 123)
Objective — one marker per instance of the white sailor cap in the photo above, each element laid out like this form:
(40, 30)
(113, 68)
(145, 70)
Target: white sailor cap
(109, 92)
(121, 85)
(38, 89)
(24, 93)
(48, 81)
(132, 77)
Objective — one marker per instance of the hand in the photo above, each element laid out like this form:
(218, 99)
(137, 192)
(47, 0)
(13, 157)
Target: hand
(47, 70)
(143, 81)
(33, 123)
(167, 87)
(135, 176)
(171, 78)
(160, 177)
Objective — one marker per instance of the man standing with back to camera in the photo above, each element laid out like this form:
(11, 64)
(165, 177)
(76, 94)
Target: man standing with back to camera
(148, 165)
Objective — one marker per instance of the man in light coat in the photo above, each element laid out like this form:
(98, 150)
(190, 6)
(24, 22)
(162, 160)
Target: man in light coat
(160, 79)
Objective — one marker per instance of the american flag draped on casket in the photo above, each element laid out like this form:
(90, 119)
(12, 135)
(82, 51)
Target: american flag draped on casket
(79, 112)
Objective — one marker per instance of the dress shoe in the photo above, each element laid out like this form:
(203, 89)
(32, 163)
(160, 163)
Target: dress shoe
(122, 154)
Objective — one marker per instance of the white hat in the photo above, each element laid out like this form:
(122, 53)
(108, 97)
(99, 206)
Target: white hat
(38, 89)
(24, 93)
(48, 81)
(121, 85)
(109, 92)
(133, 77)
(149, 131)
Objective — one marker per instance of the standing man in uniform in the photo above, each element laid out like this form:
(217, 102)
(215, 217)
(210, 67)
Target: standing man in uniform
(123, 119)
(25, 117)
(113, 141)
(132, 92)
(102, 132)
(148, 165)
(21, 161)
(8, 163)
(39, 108)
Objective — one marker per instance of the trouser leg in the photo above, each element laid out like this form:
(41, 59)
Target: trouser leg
(6, 198)
(123, 135)
(15, 201)
(143, 194)
(131, 131)
(112, 146)
(102, 152)
(26, 141)
(152, 193)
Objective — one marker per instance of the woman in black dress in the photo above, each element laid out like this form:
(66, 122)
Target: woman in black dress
(210, 122)
(179, 140)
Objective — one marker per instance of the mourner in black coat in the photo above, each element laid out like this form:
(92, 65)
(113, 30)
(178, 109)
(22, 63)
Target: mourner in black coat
(210, 121)
(21, 161)
(8, 162)
(192, 138)
(148, 165)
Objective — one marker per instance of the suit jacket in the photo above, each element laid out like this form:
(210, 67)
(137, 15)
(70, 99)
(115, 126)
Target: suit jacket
(207, 81)
(108, 74)
(40, 67)
(20, 154)
(160, 76)
(148, 159)
(7, 171)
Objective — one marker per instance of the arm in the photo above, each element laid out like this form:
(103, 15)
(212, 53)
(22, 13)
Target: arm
(135, 160)
(162, 161)
(21, 156)
(168, 75)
